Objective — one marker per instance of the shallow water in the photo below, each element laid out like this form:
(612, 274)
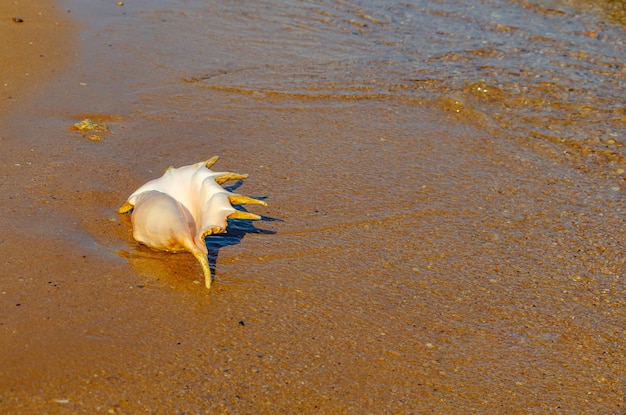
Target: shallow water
(448, 183)
(543, 72)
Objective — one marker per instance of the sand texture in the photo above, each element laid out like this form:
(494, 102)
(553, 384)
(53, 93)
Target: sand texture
(412, 259)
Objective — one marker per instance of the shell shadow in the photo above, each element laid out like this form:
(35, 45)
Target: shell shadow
(236, 230)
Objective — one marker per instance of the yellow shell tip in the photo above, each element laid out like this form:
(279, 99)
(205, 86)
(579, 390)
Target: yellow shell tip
(238, 214)
(213, 231)
(126, 207)
(230, 176)
(210, 162)
(245, 200)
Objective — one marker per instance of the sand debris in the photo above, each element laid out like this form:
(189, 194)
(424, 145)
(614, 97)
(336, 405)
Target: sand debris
(90, 130)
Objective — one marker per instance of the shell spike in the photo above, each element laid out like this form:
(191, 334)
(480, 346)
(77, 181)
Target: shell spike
(210, 162)
(204, 263)
(230, 176)
(126, 207)
(215, 230)
(245, 200)
(238, 214)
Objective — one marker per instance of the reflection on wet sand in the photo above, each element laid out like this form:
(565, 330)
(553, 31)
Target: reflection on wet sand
(176, 271)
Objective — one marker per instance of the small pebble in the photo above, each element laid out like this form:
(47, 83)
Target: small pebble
(18, 20)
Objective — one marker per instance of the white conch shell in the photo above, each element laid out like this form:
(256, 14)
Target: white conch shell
(176, 211)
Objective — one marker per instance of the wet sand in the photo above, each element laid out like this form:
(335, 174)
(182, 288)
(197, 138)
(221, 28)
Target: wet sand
(417, 263)
(38, 43)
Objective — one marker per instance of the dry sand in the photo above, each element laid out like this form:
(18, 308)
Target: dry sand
(465, 274)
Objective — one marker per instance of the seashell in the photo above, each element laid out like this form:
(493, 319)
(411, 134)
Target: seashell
(179, 209)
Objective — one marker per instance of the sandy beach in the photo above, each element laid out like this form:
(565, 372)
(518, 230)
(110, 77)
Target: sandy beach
(412, 259)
